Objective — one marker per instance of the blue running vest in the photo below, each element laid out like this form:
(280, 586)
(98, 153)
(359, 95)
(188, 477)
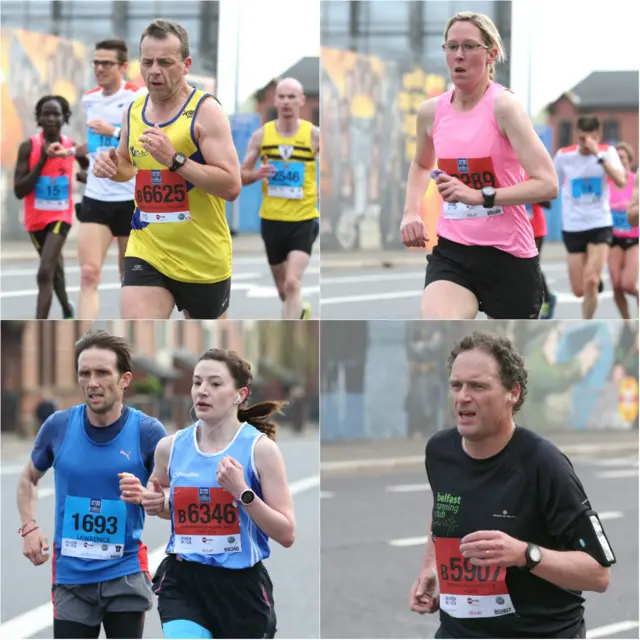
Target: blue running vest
(207, 524)
(97, 536)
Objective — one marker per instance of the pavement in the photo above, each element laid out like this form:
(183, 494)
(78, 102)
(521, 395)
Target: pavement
(25, 609)
(373, 531)
(388, 285)
(253, 294)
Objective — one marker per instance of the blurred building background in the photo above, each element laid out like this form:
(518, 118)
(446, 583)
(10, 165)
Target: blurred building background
(46, 48)
(383, 379)
(38, 364)
(379, 60)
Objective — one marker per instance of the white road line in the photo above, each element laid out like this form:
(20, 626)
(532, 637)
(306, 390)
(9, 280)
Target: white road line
(408, 488)
(11, 469)
(36, 620)
(620, 473)
(408, 542)
(610, 515)
(609, 630)
(616, 462)
(381, 277)
(372, 297)
(326, 494)
(341, 465)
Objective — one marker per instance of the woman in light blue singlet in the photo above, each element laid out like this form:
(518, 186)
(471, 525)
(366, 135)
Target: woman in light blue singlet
(222, 483)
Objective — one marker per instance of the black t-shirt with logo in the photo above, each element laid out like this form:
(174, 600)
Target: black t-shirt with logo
(531, 492)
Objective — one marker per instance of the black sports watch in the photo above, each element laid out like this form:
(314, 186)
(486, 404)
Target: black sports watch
(178, 161)
(247, 497)
(600, 158)
(488, 197)
(533, 556)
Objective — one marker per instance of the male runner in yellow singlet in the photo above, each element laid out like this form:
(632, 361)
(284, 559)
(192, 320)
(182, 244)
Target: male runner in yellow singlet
(178, 145)
(288, 147)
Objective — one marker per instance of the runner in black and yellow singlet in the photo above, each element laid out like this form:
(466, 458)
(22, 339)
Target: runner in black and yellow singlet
(177, 143)
(287, 148)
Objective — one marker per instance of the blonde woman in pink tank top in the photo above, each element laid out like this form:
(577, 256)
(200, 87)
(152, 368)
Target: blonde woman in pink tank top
(623, 256)
(486, 258)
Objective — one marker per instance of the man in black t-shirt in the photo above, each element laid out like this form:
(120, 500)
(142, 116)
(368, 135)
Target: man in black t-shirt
(513, 540)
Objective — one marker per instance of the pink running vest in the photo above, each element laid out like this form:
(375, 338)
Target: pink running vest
(619, 200)
(471, 147)
(51, 200)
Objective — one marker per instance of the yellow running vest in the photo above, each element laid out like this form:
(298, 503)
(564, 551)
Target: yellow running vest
(291, 194)
(187, 237)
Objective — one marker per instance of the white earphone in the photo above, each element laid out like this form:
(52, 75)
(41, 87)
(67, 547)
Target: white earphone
(238, 399)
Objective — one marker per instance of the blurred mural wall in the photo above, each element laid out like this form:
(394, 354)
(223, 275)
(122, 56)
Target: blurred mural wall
(382, 379)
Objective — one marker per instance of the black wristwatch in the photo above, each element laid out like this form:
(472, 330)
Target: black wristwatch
(533, 556)
(601, 158)
(247, 497)
(178, 161)
(488, 197)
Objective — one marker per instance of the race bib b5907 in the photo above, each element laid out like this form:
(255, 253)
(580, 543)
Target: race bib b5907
(467, 591)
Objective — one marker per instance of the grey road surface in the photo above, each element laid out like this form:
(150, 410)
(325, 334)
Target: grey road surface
(373, 529)
(253, 294)
(26, 589)
(394, 293)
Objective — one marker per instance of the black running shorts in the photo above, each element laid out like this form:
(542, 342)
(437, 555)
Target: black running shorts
(280, 238)
(577, 241)
(506, 287)
(229, 603)
(115, 215)
(202, 301)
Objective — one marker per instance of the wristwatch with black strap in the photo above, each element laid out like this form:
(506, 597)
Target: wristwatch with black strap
(532, 556)
(178, 161)
(488, 197)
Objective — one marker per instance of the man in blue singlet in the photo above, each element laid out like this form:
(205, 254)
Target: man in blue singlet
(99, 450)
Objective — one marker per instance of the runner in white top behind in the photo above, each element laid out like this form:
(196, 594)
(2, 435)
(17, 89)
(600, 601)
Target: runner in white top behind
(107, 206)
(587, 225)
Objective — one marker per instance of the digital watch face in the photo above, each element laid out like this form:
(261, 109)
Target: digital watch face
(602, 538)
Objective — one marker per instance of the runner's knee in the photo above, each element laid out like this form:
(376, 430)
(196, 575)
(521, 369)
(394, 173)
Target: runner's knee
(591, 282)
(45, 274)
(291, 286)
(90, 275)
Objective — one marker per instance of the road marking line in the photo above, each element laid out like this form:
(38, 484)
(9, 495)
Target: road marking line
(382, 277)
(372, 297)
(408, 488)
(408, 542)
(39, 618)
(620, 473)
(562, 297)
(326, 494)
(340, 465)
(610, 515)
(616, 462)
(609, 630)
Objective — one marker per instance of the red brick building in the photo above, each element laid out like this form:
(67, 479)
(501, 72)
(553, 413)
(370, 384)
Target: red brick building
(610, 95)
(307, 72)
(38, 360)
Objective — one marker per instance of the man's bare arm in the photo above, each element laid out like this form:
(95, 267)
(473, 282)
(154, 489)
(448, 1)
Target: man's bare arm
(28, 493)
(220, 176)
(249, 175)
(126, 170)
